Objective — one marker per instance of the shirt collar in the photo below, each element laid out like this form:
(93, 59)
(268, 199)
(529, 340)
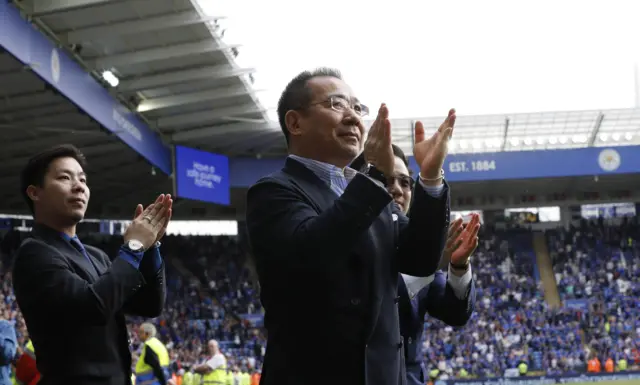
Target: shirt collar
(325, 170)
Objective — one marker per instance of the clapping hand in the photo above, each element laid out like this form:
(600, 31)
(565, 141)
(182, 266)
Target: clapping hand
(430, 153)
(462, 240)
(150, 224)
(377, 148)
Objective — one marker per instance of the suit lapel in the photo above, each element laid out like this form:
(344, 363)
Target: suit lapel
(77, 260)
(317, 191)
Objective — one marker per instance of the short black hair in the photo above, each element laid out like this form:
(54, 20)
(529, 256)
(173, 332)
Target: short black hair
(297, 95)
(358, 163)
(38, 165)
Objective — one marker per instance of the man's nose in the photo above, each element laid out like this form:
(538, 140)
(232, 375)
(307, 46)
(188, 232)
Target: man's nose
(79, 187)
(394, 188)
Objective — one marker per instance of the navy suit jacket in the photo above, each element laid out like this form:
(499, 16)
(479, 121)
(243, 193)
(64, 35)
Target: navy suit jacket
(75, 312)
(328, 269)
(437, 299)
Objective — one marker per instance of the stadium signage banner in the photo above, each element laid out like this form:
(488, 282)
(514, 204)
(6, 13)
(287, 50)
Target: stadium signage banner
(546, 380)
(541, 164)
(56, 67)
(491, 166)
(201, 175)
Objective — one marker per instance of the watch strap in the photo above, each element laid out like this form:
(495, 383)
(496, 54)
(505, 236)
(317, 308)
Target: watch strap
(372, 172)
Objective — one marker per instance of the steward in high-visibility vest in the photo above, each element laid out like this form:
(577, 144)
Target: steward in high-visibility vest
(214, 371)
(152, 367)
(26, 369)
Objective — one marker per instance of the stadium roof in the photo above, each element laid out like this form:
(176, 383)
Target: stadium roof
(167, 59)
(487, 133)
(164, 61)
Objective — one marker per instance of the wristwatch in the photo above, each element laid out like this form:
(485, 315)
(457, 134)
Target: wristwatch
(134, 245)
(372, 172)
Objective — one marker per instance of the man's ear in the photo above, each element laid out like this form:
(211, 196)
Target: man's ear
(32, 193)
(292, 121)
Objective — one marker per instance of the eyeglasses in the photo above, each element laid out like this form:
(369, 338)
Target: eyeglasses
(341, 104)
(405, 182)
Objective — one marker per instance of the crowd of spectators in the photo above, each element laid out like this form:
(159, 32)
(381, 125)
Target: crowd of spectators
(596, 262)
(212, 296)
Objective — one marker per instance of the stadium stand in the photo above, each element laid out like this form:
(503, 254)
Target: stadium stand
(212, 296)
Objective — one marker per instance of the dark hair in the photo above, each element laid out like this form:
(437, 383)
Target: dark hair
(296, 94)
(397, 151)
(36, 169)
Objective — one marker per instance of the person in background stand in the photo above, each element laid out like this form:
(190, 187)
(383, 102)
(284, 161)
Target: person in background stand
(8, 349)
(72, 296)
(449, 298)
(26, 369)
(153, 365)
(214, 371)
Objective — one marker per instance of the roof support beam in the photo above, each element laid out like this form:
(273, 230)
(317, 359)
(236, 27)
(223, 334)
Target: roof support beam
(198, 133)
(193, 97)
(144, 83)
(132, 27)
(45, 7)
(595, 129)
(192, 119)
(157, 54)
(505, 134)
(239, 143)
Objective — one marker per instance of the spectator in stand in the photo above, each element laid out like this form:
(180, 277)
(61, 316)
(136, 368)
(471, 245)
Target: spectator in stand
(8, 348)
(214, 370)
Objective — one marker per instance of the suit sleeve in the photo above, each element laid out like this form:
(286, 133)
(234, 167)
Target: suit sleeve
(423, 236)
(439, 300)
(149, 300)
(151, 359)
(43, 279)
(283, 225)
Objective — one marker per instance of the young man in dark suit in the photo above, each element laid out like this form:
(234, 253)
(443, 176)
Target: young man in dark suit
(328, 244)
(72, 296)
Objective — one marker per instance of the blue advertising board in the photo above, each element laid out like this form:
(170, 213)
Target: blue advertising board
(491, 166)
(57, 68)
(541, 164)
(201, 175)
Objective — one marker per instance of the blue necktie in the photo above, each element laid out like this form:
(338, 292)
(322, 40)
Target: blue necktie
(80, 247)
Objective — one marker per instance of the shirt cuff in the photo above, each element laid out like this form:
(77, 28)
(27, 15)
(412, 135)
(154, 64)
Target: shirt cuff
(157, 258)
(131, 257)
(434, 191)
(459, 285)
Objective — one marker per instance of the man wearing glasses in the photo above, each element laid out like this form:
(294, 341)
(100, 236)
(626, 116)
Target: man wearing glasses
(449, 298)
(328, 243)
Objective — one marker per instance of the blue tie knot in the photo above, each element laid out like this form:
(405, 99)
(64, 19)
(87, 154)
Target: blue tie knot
(76, 243)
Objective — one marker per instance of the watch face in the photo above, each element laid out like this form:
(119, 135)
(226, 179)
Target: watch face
(135, 245)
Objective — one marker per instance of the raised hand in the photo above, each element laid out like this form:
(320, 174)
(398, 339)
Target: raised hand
(466, 242)
(453, 242)
(377, 148)
(430, 153)
(150, 224)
